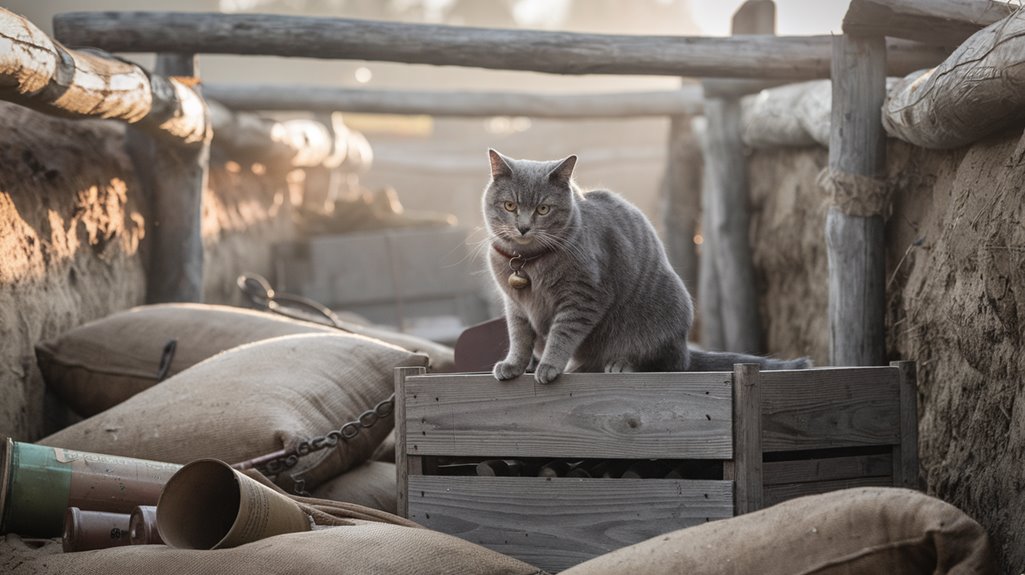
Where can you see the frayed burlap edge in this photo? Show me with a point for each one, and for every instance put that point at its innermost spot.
(855, 195)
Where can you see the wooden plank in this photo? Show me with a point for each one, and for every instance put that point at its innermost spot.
(747, 438)
(930, 21)
(826, 408)
(174, 178)
(905, 454)
(779, 493)
(508, 49)
(855, 241)
(405, 465)
(637, 415)
(827, 469)
(555, 523)
(686, 100)
(40, 73)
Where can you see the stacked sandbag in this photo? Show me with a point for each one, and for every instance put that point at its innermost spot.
(372, 484)
(864, 530)
(252, 400)
(364, 549)
(102, 363)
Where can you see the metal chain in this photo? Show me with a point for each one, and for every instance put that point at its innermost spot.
(346, 432)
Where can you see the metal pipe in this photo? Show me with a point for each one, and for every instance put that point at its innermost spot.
(85, 530)
(142, 528)
(38, 483)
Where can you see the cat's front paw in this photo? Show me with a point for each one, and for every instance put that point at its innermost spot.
(546, 373)
(505, 370)
(619, 366)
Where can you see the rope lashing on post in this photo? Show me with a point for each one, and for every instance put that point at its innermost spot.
(855, 195)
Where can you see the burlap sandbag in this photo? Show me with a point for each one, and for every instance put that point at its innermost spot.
(253, 400)
(372, 484)
(362, 549)
(385, 451)
(102, 363)
(856, 531)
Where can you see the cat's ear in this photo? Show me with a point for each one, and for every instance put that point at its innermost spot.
(563, 172)
(499, 165)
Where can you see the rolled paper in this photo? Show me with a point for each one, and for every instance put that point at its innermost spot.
(209, 505)
(142, 527)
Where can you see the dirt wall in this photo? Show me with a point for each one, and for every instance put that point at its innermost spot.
(956, 305)
(72, 243)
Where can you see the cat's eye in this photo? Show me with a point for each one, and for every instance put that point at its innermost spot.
(543, 209)
(510, 206)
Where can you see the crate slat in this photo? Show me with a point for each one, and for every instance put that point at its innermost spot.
(645, 415)
(560, 522)
(827, 469)
(827, 408)
(778, 493)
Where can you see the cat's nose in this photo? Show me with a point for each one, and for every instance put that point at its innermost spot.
(523, 229)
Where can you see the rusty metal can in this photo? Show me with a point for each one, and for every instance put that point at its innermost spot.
(38, 483)
(86, 530)
(142, 528)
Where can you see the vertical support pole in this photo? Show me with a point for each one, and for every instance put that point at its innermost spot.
(726, 167)
(682, 196)
(747, 439)
(174, 178)
(709, 298)
(905, 455)
(854, 233)
(405, 465)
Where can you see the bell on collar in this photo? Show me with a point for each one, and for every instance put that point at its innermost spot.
(518, 280)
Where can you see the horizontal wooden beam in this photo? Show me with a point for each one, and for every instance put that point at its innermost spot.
(39, 73)
(686, 101)
(552, 52)
(930, 21)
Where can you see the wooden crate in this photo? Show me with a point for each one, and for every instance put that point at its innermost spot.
(777, 435)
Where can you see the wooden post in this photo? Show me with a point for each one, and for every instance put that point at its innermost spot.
(174, 178)
(681, 192)
(726, 166)
(403, 464)
(709, 303)
(746, 469)
(905, 455)
(854, 224)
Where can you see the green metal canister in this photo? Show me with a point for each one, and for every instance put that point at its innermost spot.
(38, 483)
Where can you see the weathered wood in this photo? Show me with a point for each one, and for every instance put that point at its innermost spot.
(553, 52)
(726, 160)
(855, 240)
(747, 438)
(686, 100)
(827, 408)
(650, 415)
(974, 93)
(779, 493)
(173, 178)
(405, 464)
(40, 73)
(827, 469)
(932, 21)
(681, 192)
(709, 298)
(905, 454)
(555, 523)
(726, 166)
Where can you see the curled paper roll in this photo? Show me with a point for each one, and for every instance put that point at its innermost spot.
(209, 505)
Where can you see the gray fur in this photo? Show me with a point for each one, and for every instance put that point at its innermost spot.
(603, 296)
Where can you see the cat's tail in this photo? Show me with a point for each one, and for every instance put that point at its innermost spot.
(701, 360)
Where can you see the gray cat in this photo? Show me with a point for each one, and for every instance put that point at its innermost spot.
(586, 281)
